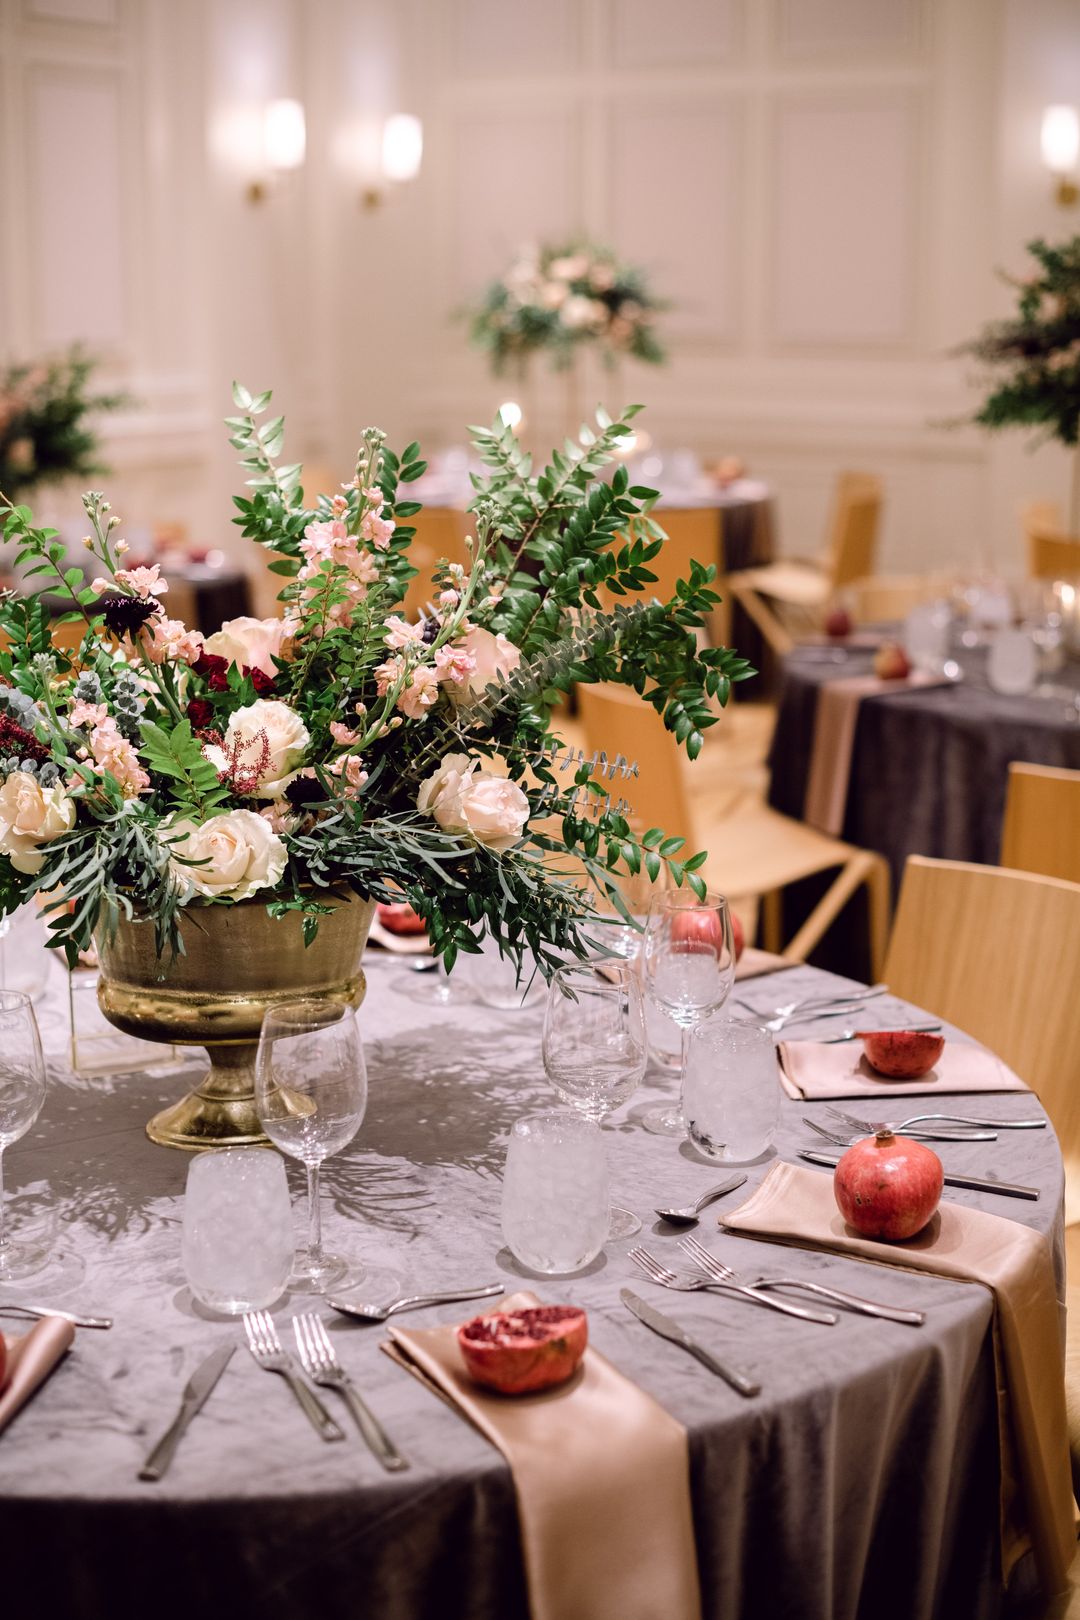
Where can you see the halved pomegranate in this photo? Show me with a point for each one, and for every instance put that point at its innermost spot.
(398, 917)
(902, 1054)
(516, 1352)
(3, 1361)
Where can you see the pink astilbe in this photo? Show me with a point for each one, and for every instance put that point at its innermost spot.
(244, 775)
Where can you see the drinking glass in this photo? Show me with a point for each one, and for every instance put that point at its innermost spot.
(22, 1093)
(689, 971)
(555, 1192)
(311, 1092)
(1012, 666)
(595, 1048)
(731, 1091)
(237, 1244)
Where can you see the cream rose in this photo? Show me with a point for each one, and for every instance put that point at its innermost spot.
(464, 799)
(31, 815)
(494, 658)
(251, 643)
(241, 852)
(285, 736)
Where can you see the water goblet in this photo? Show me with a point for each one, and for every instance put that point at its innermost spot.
(555, 1192)
(237, 1245)
(22, 1093)
(689, 959)
(595, 1048)
(311, 1093)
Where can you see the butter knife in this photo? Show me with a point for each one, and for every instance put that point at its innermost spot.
(974, 1183)
(668, 1329)
(195, 1393)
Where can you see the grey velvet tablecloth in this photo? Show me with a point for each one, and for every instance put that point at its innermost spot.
(929, 768)
(862, 1482)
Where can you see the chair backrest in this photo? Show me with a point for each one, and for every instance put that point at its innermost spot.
(1052, 554)
(884, 597)
(998, 954)
(440, 533)
(852, 544)
(617, 721)
(1042, 821)
(693, 535)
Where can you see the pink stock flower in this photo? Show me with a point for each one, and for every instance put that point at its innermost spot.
(351, 769)
(454, 663)
(143, 581)
(170, 641)
(420, 694)
(400, 633)
(387, 674)
(342, 734)
(99, 586)
(280, 815)
(113, 753)
(363, 567)
(87, 714)
(449, 599)
(340, 505)
(377, 529)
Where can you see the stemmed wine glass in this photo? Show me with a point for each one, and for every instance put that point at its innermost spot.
(595, 1050)
(689, 959)
(311, 1093)
(22, 1093)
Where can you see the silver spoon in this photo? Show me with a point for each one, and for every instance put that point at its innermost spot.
(688, 1217)
(412, 1302)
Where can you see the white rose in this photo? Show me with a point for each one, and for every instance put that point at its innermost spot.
(242, 853)
(464, 799)
(250, 643)
(30, 815)
(496, 658)
(265, 726)
(580, 313)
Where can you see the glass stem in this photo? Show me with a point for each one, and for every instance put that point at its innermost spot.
(684, 1050)
(314, 1217)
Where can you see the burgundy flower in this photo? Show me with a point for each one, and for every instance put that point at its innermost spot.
(214, 670)
(15, 739)
(261, 681)
(126, 615)
(200, 712)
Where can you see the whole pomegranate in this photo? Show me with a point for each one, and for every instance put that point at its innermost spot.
(738, 934)
(838, 623)
(891, 662)
(902, 1054)
(516, 1352)
(398, 917)
(887, 1186)
(696, 927)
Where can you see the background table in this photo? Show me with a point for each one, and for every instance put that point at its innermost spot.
(862, 1481)
(929, 768)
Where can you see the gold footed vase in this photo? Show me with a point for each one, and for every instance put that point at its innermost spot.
(238, 961)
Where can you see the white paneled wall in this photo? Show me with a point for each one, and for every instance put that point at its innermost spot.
(821, 187)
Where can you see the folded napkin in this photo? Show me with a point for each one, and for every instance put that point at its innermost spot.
(1015, 1263)
(812, 1071)
(30, 1360)
(752, 964)
(835, 718)
(602, 1479)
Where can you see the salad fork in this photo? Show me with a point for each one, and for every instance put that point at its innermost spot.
(323, 1367)
(956, 1119)
(914, 1135)
(713, 1267)
(265, 1347)
(693, 1282)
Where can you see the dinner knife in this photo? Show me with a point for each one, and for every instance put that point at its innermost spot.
(9, 1308)
(197, 1389)
(973, 1183)
(668, 1329)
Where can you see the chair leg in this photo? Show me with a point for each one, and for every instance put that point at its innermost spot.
(771, 920)
(878, 904)
(853, 873)
(757, 609)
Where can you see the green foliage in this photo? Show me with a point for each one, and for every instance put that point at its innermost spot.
(46, 412)
(191, 785)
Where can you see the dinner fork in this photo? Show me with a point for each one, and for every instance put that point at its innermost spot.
(709, 1263)
(956, 1119)
(914, 1136)
(323, 1367)
(265, 1347)
(693, 1282)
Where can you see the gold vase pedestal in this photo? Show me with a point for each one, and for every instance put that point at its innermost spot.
(237, 962)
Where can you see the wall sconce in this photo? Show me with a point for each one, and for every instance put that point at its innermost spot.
(284, 142)
(1060, 150)
(401, 151)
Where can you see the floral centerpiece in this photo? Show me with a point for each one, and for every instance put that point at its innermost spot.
(562, 297)
(45, 431)
(157, 775)
(1033, 358)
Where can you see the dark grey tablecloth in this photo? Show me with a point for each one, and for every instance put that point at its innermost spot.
(862, 1482)
(929, 768)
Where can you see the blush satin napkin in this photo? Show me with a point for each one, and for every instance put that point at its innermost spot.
(602, 1479)
(813, 1071)
(1014, 1262)
(835, 717)
(30, 1360)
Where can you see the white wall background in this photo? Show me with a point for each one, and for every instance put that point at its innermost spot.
(823, 187)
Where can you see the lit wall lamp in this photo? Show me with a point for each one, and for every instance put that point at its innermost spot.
(401, 152)
(1060, 150)
(284, 142)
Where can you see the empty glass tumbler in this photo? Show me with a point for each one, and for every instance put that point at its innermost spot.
(237, 1240)
(731, 1091)
(555, 1192)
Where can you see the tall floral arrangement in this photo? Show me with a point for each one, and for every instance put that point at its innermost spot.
(344, 746)
(46, 421)
(562, 297)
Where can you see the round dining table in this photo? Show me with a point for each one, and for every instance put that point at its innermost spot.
(863, 1480)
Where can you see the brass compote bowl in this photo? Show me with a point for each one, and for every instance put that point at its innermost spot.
(237, 962)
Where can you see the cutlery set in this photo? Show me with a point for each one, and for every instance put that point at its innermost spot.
(813, 1008)
(924, 1128)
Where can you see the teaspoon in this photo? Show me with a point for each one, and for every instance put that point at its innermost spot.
(688, 1217)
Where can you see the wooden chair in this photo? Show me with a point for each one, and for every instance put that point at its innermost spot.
(997, 953)
(885, 597)
(805, 588)
(753, 852)
(440, 535)
(1052, 554)
(1041, 832)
